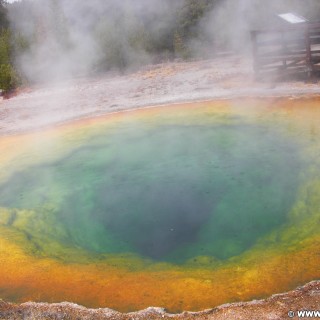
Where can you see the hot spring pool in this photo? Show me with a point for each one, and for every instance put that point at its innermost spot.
(184, 207)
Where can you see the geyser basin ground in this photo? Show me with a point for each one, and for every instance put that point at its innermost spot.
(183, 207)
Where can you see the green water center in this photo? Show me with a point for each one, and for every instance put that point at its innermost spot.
(164, 192)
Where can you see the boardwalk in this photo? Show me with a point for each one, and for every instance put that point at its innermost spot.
(287, 49)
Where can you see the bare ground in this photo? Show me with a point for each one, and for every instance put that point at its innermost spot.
(154, 85)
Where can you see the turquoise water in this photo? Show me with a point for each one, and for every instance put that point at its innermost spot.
(164, 192)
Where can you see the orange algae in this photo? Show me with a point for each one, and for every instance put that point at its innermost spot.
(97, 284)
(277, 262)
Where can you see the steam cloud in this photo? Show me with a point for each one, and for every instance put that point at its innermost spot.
(65, 38)
(60, 38)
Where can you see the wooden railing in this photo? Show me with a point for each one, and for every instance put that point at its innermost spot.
(293, 48)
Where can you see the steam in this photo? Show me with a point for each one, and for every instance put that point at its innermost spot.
(61, 39)
(227, 26)
(57, 39)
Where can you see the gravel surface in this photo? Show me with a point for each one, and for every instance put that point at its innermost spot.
(167, 83)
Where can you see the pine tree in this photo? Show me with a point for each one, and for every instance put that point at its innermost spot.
(3, 16)
(8, 76)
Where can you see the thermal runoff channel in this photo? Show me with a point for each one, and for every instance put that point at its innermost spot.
(184, 207)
